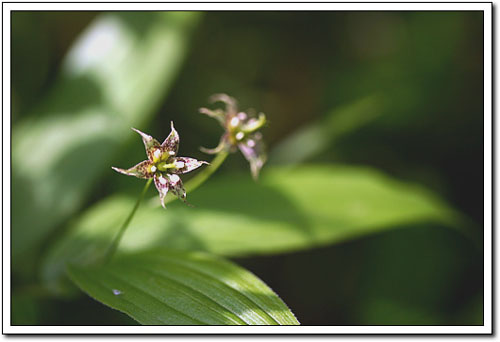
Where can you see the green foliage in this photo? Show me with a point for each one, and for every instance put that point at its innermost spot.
(328, 238)
(289, 209)
(112, 78)
(160, 287)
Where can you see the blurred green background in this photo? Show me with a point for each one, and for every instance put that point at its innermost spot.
(401, 92)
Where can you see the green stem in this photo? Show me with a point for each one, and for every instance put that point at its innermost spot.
(191, 185)
(202, 176)
(114, 245)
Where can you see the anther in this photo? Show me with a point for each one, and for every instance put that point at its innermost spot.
(234, 122)
(240, 135)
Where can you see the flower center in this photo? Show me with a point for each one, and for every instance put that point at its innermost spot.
(240, 127)
(156, 155)
(164, 166)
(239, 136)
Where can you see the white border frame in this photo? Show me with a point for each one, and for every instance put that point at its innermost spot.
(488, 142)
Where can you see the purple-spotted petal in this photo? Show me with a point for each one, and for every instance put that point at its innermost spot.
(185, 165)
(175, 185)
(162, 185)
(171, 143)
(150, 143)
(253, 150)
(141, 170)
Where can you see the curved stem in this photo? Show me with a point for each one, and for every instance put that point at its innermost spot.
(114, 244)
(191, 185)
(201, 177)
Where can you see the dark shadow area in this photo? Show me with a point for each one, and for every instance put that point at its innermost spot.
(139, 23)
(414, 275)
(51, 312)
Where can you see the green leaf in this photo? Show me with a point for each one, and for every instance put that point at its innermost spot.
(179, 288)
(287, 210)
(114, 77)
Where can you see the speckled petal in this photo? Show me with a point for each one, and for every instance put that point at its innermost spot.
(150, 143)
(253, 150)
(171, 143)
(176, 186)
(141, 170)
(185, 164)
(162, 185)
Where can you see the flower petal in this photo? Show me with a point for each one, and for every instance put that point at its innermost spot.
(150, 143)
(141, 170)
(162, 185)
(223, 144)
(253, 124)
(253, 150)
(171, 143)
(175, 185)
(217, 114)
(231, 104)
(185, 165)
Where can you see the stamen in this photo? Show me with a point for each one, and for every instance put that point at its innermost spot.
(157, 154)
(153, 168)
(242, 116)
(174, 178)
(163, 180)
(179, 164)
(240, 135)
(234, 122)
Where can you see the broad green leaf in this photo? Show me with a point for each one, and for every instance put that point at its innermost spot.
(311, 140)
(113, 78)
(180, 288)
(288, 209)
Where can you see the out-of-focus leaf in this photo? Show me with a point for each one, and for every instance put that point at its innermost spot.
(164, 287)
(417, 276)
(287, 210)
(113, 78)
(311, 140)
